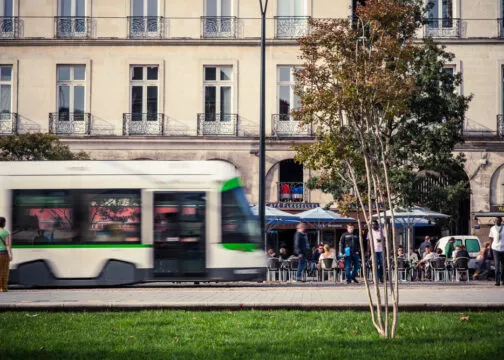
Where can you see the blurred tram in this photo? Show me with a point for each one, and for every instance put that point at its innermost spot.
(92, 223)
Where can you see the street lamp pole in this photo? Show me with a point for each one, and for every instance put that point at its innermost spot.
(262, 126)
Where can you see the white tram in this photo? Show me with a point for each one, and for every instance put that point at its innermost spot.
(91, 223)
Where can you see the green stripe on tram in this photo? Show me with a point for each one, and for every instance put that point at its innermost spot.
(81, 246)
(232, 184)
(247, 247)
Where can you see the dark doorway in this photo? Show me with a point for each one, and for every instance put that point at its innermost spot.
(290, 171)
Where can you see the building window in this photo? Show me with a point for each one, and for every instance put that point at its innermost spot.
(218, 93)
(441, 22)
(287, 99)
(7, 24)
(71, 88)
(144, 96)
(5, 92)
(71, 21)
(292, 19)
(145, 21)
(219, 21)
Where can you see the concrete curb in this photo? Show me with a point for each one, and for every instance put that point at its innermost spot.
(95, 307)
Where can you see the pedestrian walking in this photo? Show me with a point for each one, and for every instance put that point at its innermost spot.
(301, 249)
(350, 250)
(496, 236)
(427, 242)
(377, 238)
(5, 255)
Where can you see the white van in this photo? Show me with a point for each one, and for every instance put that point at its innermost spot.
(472, 244)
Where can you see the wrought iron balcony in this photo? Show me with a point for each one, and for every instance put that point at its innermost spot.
(218, 124)
(77, 123)
(73, 27)
(8, 123)
(219, 27)
(291, 191)
(284, 126)
(143, 124)
(146, 27)
(9, 27)
(291, 27)
(443, 28)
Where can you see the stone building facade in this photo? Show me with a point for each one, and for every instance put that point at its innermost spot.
(172, 79)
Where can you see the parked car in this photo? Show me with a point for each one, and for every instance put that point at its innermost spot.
(472, 244)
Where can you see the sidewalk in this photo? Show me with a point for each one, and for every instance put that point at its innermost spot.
(414, 297)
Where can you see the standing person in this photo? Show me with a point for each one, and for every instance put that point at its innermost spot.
(378, 239)
(301, 249)
(427, 242)
(496, 236)
(349, 249)
(5, 255)
(450, 248)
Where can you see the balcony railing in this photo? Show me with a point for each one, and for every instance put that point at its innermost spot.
(146, 27)
(291, 191)
(291, 27)
(73, 27)
(8, 123)
(218, 124)
(70, 123)
(284, 126)
(219, 27)
(143, 124)
(443, 28)
(9, 27)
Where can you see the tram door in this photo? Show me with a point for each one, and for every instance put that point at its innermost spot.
(179, 234)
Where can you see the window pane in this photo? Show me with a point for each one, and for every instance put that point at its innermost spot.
(210, 102)
(152, 101)
(137, 73)
(80, 8)
(79, 72)
(472, 245)
(136, 100)
(65, 7)
(152, 9)
(210, 73)
(297, 100)
(138, 7)
(238, 225)
(284, 95)
(42, 217)
(211, 8)
(285, 73)
(5, 98)
(64, 99)
(225, 94)
(113, 216)
(8, 9)
(5, 73)
(152, 73)
(79, 99)
(63, 73)
(284, 7)
(225, 8)
(226, 72)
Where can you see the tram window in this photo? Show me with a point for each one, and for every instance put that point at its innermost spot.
(42, 217)
(112, 216)
(75, 216)
(238, 224)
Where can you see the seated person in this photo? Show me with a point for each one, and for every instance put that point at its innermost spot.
(462, 253)
(426, 261)
(271, 253)
(327, 253)
(283, 254)
(457, 249)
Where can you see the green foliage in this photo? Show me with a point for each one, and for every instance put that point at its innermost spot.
(38, 146)
(246, 335)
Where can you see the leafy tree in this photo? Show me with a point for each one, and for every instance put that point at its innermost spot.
(386, 115)
(37, 146)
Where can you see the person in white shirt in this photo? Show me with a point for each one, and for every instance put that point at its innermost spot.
(496, 236)
(428, 257)
(378, 239)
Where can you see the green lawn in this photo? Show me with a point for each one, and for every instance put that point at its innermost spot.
(247, 335)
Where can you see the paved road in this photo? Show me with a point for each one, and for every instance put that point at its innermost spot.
(247, 296)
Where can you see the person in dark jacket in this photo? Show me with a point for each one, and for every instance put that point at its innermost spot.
(301, 249)
(350, 251)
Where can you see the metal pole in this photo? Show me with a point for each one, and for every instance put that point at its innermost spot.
(262, 126)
